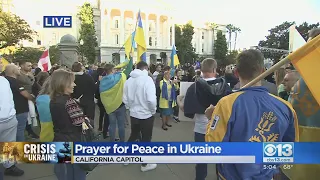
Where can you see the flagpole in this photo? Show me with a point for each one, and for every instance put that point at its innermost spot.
(135, 28)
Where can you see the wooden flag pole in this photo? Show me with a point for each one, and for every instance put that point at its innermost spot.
(277, 66)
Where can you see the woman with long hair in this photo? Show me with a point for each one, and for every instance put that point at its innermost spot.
(42, 77)
(43, 107)
(67, 118)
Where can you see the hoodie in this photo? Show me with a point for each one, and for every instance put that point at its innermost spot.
(139, 95)
(7, 110)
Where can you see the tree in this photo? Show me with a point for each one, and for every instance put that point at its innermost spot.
(87, 33)
(28, 54)
(278, 37)
(213, 26)
(230, 28)
(183, 42)
(236, 31)
(31, 54)
(231, 57)
(220, 48)
(13, 29)
(54, 54)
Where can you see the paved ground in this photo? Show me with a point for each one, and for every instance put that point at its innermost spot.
(182, 131)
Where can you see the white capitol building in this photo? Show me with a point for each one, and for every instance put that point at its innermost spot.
(114, 21)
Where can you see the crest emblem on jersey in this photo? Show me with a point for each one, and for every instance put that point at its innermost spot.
(216, 119)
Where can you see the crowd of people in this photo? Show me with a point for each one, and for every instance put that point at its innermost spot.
(64, 101)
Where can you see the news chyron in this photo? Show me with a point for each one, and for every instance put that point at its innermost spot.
(278, 152)
(57, 21)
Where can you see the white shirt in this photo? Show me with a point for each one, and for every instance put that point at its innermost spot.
(139, 95)
(201, 121)
(155, 75)
(7, 110)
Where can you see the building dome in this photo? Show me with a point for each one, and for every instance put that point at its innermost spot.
(68, 38)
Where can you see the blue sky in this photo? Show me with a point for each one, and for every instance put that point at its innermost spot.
(254, 17)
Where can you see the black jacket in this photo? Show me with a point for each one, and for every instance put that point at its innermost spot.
(64, 130)
(202, 94)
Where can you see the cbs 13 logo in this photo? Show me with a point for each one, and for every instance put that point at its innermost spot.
(278, 149)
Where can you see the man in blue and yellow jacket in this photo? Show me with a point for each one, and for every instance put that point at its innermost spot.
(251, 115)
(111, 92)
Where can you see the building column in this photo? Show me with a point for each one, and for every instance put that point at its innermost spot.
(107, 31)
(168, 32)
(158, 31)
(146, 29)
(173, 33)
(199, 41)
(103, 26)
(121, 26)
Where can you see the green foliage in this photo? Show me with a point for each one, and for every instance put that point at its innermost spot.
(32, 54)
(220, 48)
(13, 29)
(183, 42)
(87, 33)
(232, 29)
(278, 37)
(28, 54)
(231, 57)
(54, 54)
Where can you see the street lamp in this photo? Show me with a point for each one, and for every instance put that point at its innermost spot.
(81, 43)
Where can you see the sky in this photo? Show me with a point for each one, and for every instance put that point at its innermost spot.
(253, 17)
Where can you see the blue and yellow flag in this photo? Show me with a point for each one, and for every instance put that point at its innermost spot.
(174, 60)
(129, 45)
(174, 57)
(140, 40)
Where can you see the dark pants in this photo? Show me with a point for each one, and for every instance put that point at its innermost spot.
(103, 119)
(201, 169)
(158, 98)
(141, 127)
(176, 111)
(105, 124)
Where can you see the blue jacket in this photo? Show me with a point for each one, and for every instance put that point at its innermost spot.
(251, 115)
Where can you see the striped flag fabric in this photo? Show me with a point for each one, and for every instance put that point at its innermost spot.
(140, 40)
(44, 62)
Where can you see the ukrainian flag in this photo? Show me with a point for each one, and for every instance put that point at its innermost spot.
(305, 99)
(174, 60)
(141, 43)
(174, 57)
(129, 45)
(111, 87)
